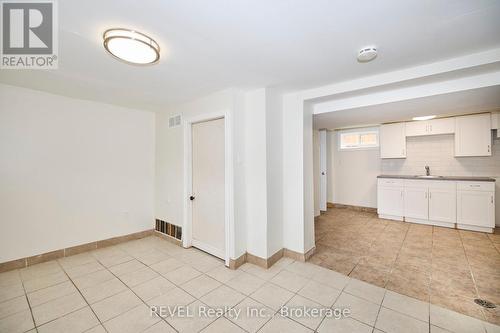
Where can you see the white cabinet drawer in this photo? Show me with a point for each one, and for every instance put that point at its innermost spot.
(443, 185)
(476, 186)
(416, 183)
(390, 182)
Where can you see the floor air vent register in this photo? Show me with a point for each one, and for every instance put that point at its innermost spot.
(168, 229)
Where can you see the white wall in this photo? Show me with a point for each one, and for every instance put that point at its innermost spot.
(293, 174)
(255, 172)
(352, 175)
(258, 177)
(317, 172)
(71, 172)
(170, 164)
(274, 159)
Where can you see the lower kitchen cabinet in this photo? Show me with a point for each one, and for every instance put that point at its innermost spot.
(390, 194)
(462, 204)
(416, 201)
(430, 202)
(443, 202)
(476, 206)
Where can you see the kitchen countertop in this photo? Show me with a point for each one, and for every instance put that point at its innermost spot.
(459, 178)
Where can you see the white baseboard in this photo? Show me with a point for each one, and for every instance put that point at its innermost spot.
(429, 222)
(390, 217)
(475, 228)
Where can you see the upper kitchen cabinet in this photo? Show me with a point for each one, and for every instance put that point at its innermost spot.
(393, 140)
(430, 127)
(473, 135)
(495, 122)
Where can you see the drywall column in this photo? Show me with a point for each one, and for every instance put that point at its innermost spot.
(256, 172)
(308, 176)
(316, 172)
(274, 162)
(298, 179)
(293, 174)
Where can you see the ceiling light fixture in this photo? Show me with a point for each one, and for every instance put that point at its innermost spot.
(424, 117)
(131, 46)
(367, 54)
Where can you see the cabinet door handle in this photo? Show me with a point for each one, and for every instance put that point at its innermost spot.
(430, 195)
(426, 195)
(488, 148)
(491, 199)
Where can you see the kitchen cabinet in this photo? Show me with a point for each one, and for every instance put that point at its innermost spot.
(390, 195)
(476, 206)
(430, 202)
(473, 135)
(442, 201)
(430, 127)
(393, 140)
(495, 122)
(465, 204)
(416, 202)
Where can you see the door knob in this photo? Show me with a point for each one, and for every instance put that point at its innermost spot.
(191, 198)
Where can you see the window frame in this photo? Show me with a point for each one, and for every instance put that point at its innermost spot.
(359, 132)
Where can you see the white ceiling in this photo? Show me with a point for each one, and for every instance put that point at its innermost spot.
(294, 44)
(463, 102)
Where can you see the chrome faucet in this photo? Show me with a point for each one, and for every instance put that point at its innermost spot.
(427, 170)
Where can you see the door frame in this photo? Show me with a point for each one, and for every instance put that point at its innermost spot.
(323, 171)
(187, 236)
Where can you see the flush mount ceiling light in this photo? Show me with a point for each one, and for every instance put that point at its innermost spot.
(367, 54)
(131, 46)
(424, 117)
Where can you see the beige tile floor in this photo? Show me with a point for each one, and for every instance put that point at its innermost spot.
(445, 267)
(112, 289)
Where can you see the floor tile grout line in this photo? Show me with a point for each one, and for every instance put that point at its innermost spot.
(432, 271)
(264, 279)
(147, 305)
(83, 297)
(470, 270)
(473, 278)
(28, 301)
(397, 256)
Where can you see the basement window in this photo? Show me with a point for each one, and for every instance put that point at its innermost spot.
(360, 138)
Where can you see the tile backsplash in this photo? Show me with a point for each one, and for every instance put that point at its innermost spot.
(437, 152)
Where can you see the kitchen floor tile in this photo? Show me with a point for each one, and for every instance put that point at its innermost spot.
(360, 309)
(78, 321)
(135, 320)
(250, 315)
(115, 305)
(272, 296)
(57, 308)
(200, 285)
(153, 288)
(50, 293)
(394, 322)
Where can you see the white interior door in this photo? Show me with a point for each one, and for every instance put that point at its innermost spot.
(322, 170)
(208, 217)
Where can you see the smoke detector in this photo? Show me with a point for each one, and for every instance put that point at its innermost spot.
(367, 54)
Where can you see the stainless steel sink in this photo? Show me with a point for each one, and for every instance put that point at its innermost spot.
(429, 177)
